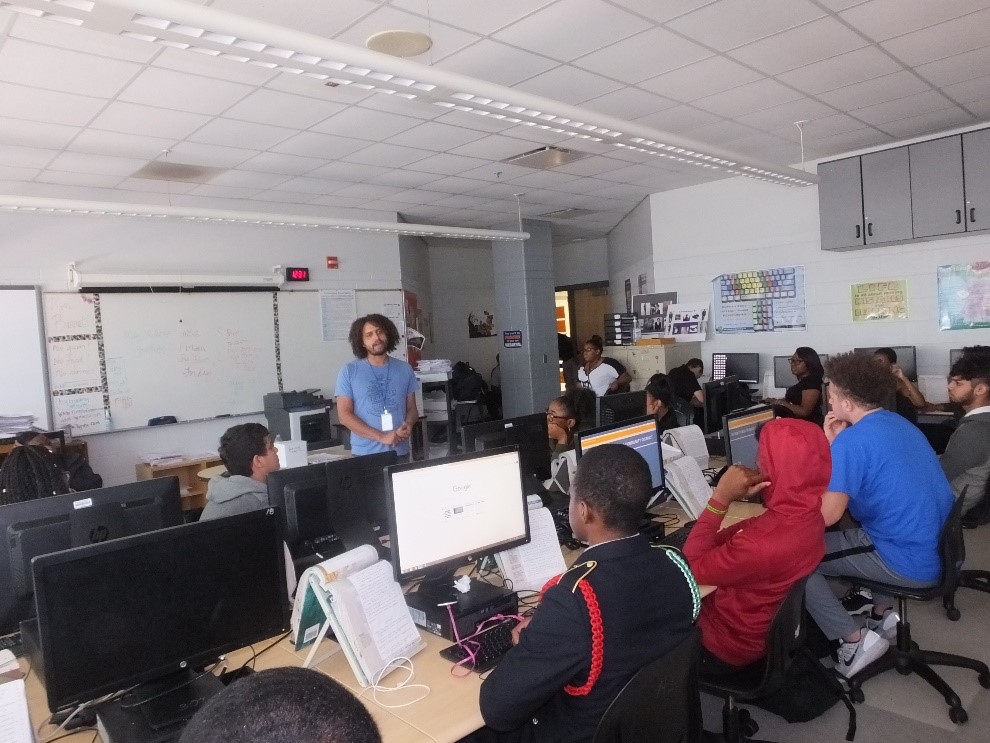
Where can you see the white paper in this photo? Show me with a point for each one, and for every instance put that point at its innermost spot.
(15, 724)
(338, 309)
(389, 625)
(691, 441)
(688, 485)
(530, 566)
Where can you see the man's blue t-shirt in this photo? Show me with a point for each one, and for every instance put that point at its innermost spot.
(896, 490)
(374, 389)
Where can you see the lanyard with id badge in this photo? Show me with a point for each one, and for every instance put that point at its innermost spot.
(387, 424)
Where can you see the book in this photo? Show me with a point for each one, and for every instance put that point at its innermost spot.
(356, 596)
(688, 485)
(691, 441)
(531, 565)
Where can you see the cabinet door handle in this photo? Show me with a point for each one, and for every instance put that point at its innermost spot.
(958, 216)
(859, 232)
(972, 214)
(869, 229)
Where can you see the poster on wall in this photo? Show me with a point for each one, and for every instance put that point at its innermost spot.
(338, 309)
(964, 296)
(760, 301)
(686, 322)
(879, 300)
(651, 312)
(481, 324)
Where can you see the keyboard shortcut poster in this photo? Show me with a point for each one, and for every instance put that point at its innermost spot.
(760, 301)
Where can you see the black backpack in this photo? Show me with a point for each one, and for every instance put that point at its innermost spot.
(466, 383)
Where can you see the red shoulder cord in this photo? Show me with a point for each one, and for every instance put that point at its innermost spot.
(597, 636)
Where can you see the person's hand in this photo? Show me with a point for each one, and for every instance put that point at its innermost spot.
(517, 630)
(772, 401)
(404, 431)
(833, 426)
(389, 438)
(898, 372)
(739, 482)
(613, 386)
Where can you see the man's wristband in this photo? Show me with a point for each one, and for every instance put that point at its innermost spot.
(716, 511)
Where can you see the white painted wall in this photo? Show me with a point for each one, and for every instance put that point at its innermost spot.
(35, 249)
(580, 262)
(630, 253)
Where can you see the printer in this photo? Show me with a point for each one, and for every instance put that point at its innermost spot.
(300, 416)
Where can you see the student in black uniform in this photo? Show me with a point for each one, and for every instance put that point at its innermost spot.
(660, 401)
(556, 683)
(804, 399)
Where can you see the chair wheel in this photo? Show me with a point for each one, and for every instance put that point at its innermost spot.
(857, 696)
(984, 680)
(953, 614)
(958, 715)
(751, 728)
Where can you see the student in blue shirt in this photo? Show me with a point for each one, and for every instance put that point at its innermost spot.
(376, 394)
(886, 474)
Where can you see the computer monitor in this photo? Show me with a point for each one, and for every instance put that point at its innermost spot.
(624, 406)
(300, 495)
(782, 375)
(722, 396)
(641, 434)
(744, 366)
(906, 359)
(527, 432)
(954, 355)
(135, 610)
(445, 513)
(39, 527)
(739, 433)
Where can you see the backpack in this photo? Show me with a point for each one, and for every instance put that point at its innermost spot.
(466, 383)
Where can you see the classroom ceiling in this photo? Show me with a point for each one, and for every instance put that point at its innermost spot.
(82, 111)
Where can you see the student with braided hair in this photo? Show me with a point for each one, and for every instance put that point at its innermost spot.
(623, 605)
(28, 473)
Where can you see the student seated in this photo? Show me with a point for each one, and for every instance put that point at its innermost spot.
(660, 401)
(28, 473)
(966, 460)
(684, 380)
(804, 399)
(602, 374)
(557, 682)
(249, 454)
(282, 705)
(755, 563)
(908, 399)
(78, 473)
(562, 422)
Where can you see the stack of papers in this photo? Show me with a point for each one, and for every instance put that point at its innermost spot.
(433, 366)
(160, 457)
(11, 423)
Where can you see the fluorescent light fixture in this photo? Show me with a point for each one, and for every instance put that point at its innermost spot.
(189, 280)
(40, 205)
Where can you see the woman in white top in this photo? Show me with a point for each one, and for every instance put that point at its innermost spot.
(601, 373)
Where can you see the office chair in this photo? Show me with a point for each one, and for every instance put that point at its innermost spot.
(978, 580)
(906, 656)
(785, 639)
(660, 704)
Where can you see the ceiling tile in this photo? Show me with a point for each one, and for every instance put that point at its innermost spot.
(816, 129)
(25, 157)
(944, 40)
(17, 174)
(387, 155)
(446, 164)
(513, 64)
(902, 108)
(77, 39)
(885, 19)
(721, 132)
(413, 196)
(249, 179)
(453, 184)
(475, 121)
(956, 69)
(544, 179)
(838, 5)
(799, 46)
(664, 11)
(435, 136)
(288, 197)
(878, 90)
(494, 147)
(90, 180)
(274, 162)
(177, 90)
(364, 124)
(58, 69)
(568, 84)
(223, 192)
(969, 91)
(33, 134)
(846, 69)
(594, 165)
(710, 76)
(748, 98)
(309, 17)
(210, 155)
(561, 30)
(981, 109)
(152, 186)
(479, 18)
(629, 103)
(281, 109)
(731, 23)
(95, 142)
(76, 162)
(937, 121)
(403, 178)
(242, 133)
(131, 118)
(367, 191)
(312, 88)
(803, 109)
(21, 102)
(643, 56)
(419, 109)
(304, 185)
(314, 144)
(678, 119)
(446, 39)
(348, 172)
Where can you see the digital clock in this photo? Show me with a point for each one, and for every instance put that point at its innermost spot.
(296, 274)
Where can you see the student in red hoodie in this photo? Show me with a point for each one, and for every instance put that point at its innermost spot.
(755, 562)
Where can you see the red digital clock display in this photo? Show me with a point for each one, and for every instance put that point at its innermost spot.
(297, 274)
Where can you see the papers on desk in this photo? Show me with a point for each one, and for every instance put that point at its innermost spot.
(691, 441)
(356, 595)
(530, 566)
(688, 485)
(12, 423)
(433, 366)
(15, 724)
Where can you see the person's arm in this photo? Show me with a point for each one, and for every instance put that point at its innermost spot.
(698, 399)
(833, 427)
(810, 399)
(349, 419)
(908, 388)
(967, 449)
(833, 506)
(412, 417)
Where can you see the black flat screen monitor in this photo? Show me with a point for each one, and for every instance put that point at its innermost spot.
(300, 494)
(739, 431)
(722, 397)
(445, 513)
(782, 375)
(527, 432)
(905, 359)
(641, 434)
(621, 407)
(39, 527)
(744, 366)
(133, 610)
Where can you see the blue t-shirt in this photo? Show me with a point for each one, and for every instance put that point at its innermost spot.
(896, 490)
(374, 389)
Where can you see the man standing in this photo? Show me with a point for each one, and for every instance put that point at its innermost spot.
(966, 460)
(376, 394)
(886, 474)
(623, 605)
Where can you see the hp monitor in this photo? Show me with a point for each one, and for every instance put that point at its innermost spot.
(744, 366)
(621, 407)
(527, 432)
(739, 431)
(906, 359)
(641, 434)
(721, 398)
(782, 376)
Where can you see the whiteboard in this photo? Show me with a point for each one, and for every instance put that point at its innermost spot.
(193, 356)
(22, 337)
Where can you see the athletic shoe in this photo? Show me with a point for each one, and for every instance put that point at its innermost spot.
(885, 626)
(855, 656)
(858, 601)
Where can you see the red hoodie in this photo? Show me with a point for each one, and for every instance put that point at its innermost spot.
(754, 563)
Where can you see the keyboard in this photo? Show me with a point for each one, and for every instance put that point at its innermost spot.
(677, 538)
(488, 647)
(12, 643)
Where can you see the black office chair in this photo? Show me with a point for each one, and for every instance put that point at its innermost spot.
(785, 639)
(906, 656)
(660, 704)
(978, 580)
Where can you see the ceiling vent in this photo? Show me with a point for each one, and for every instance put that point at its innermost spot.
(160, 170)
(571, 213)
(545, 158)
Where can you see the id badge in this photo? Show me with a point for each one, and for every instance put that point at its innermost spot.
(386, 421)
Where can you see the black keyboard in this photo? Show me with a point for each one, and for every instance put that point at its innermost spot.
(488, 647)
(12, 643)
(678, 537)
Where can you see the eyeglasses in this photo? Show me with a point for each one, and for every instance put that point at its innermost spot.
(562, 417)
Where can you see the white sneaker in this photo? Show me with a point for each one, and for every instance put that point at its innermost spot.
(855, 656)
(886, 626)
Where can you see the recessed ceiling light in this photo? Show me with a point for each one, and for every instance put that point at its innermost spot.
(399, 43)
